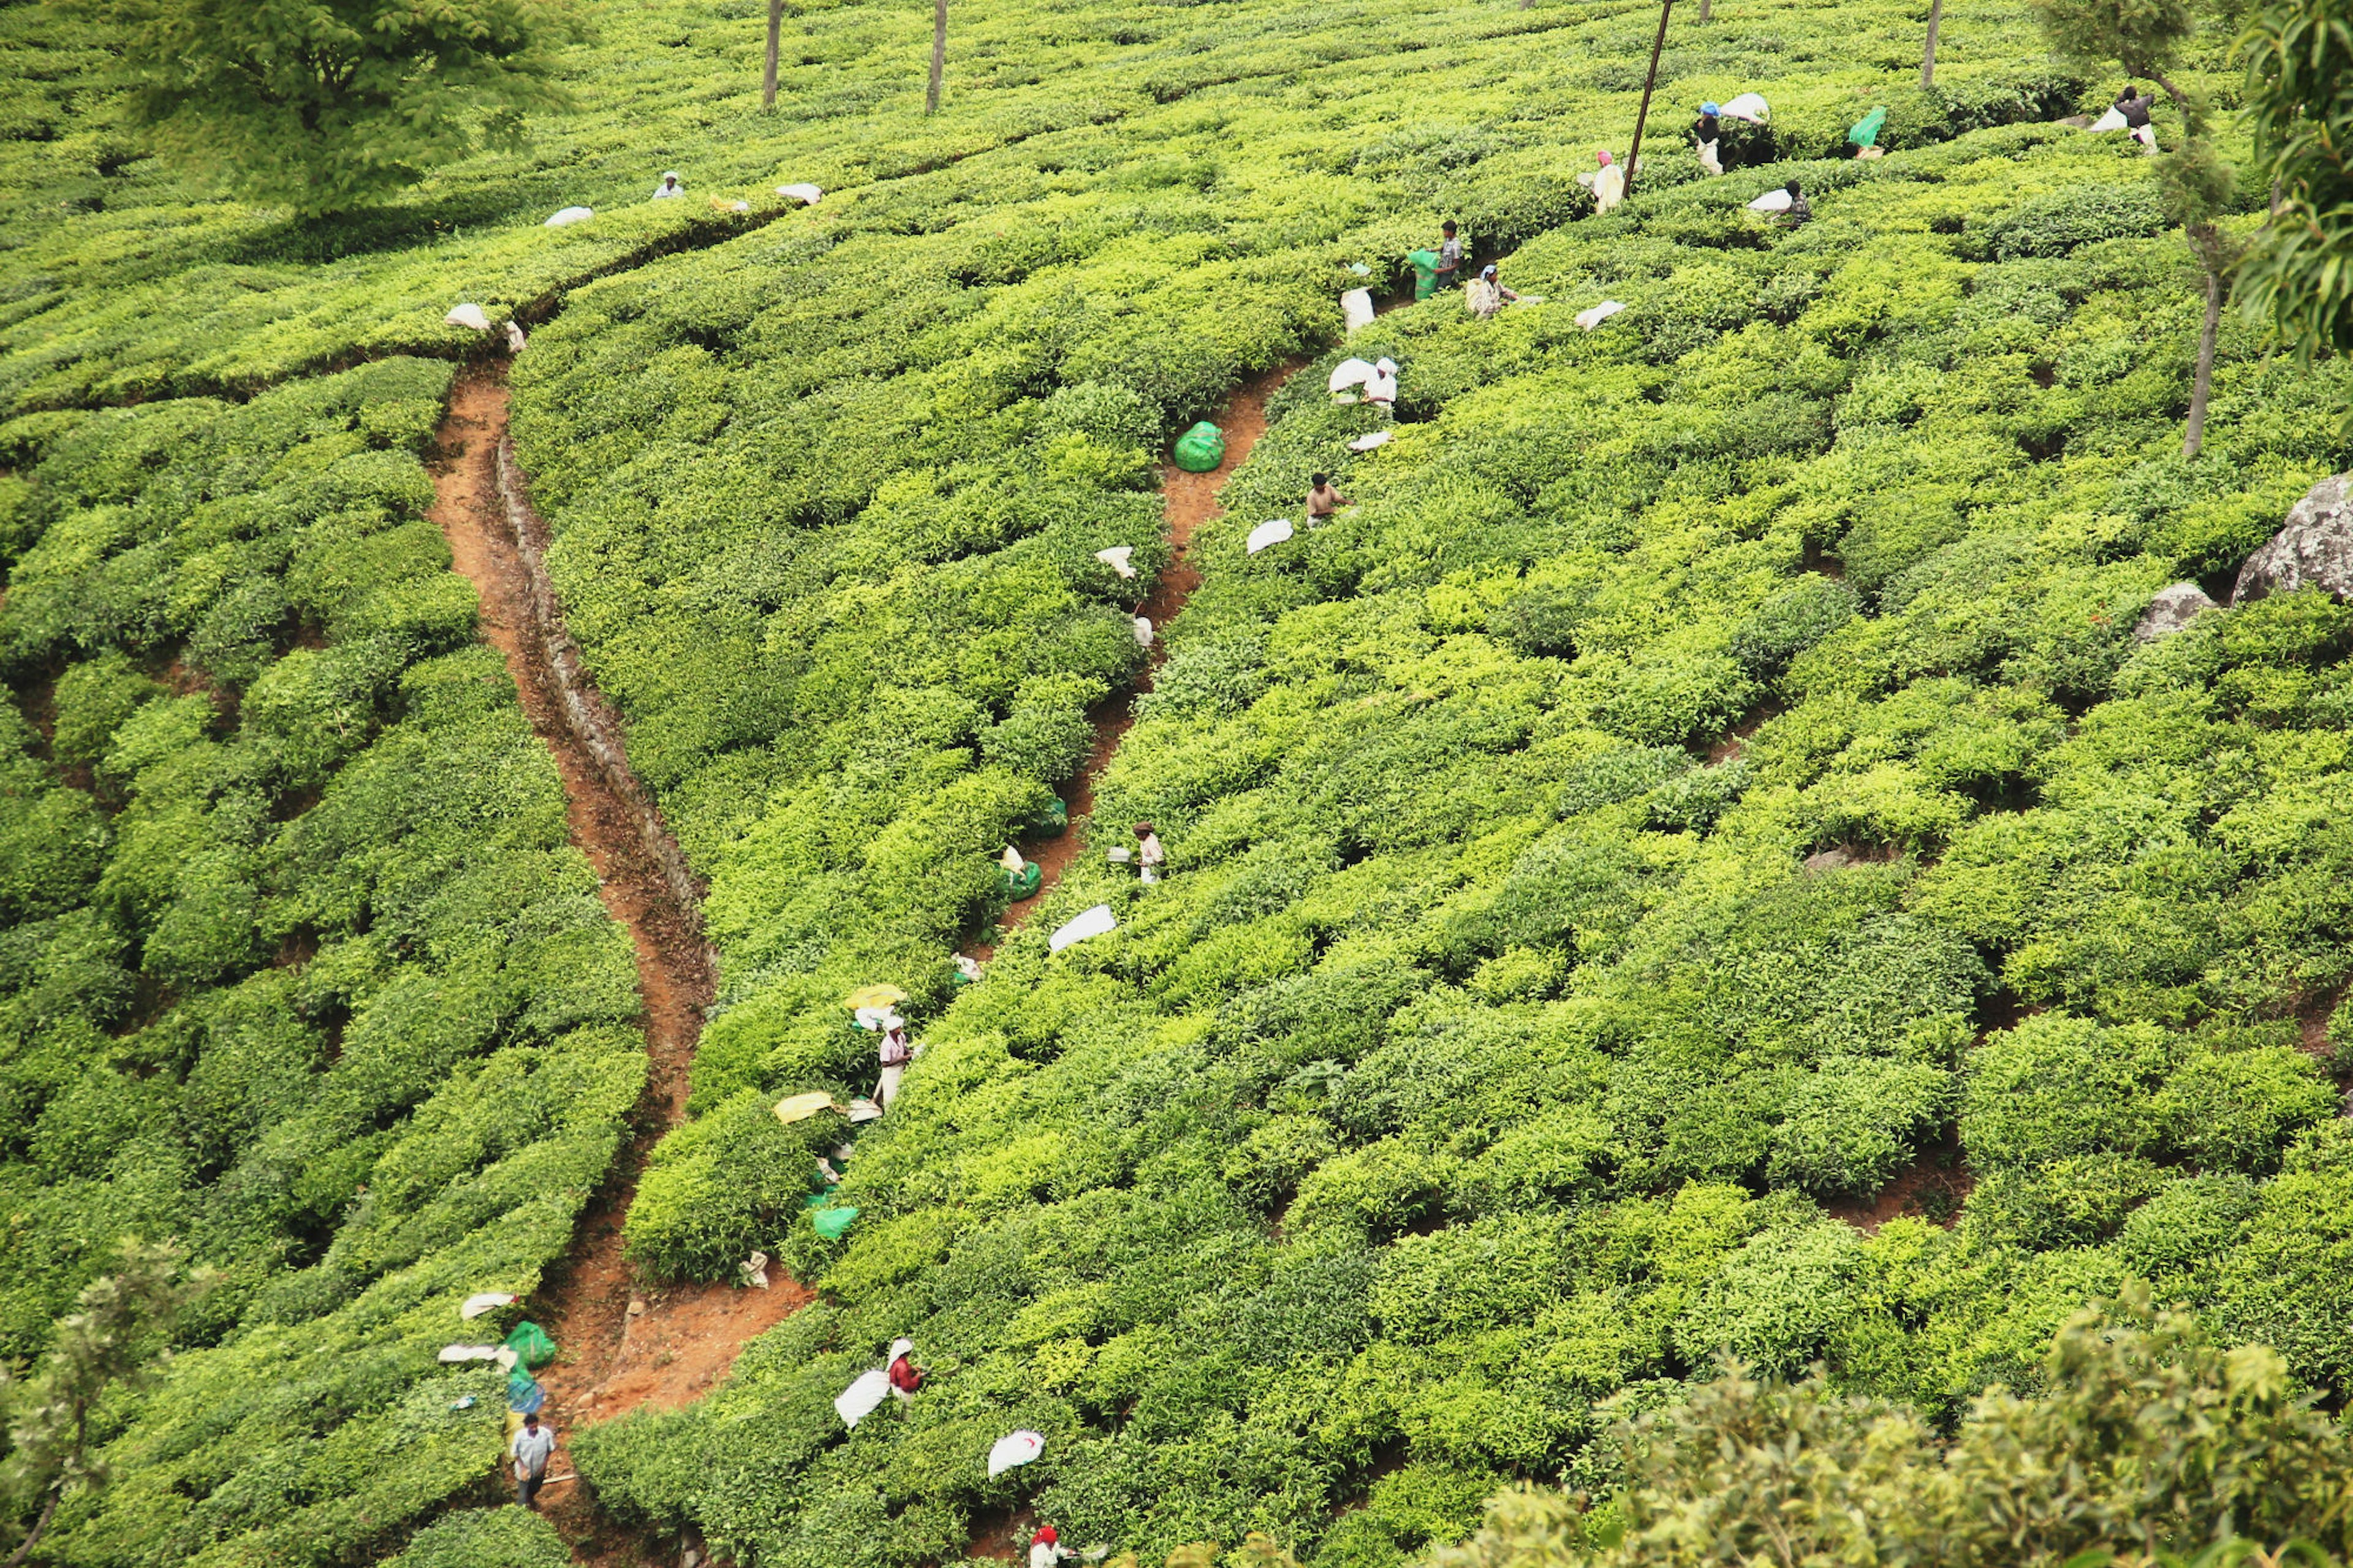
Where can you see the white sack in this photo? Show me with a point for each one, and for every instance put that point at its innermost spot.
(859, 1400)
(1593, 317)
(1366, 443)
(454, 1353)
(468, 316)
(1274, 530)
(1013, 1448)
(1349, 372)
(807, 194)
(1749, 106)
(1095, 921)
(2113, 119)
(570, 215)
(476, 1305)
(1356, 308)
(1117, 558)
(1773, 201)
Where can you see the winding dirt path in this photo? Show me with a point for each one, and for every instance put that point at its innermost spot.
(623, 1346)
(1188, 501)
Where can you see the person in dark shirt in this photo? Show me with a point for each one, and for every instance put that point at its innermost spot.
(1800, 212)
(2134, 105)
(1707, 132)
(1450, 256)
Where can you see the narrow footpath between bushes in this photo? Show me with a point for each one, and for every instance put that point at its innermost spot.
(1188, 501)
(622, 1346)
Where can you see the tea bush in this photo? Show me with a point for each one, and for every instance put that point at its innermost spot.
(298, 965)
(1708, 774)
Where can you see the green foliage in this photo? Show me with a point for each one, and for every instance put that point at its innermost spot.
(2147, 1441)
(2296, 278)
(486, 1538)
(297, 966)
(326, 107)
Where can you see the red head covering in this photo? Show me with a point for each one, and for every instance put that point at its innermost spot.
(1045, 1536)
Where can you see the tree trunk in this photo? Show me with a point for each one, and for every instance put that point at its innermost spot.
(2194, 436)
(939, 54)
(769, 75)
(1704, 9)
(1928, 58)
(40, 1526)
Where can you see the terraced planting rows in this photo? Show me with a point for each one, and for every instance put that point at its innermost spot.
(1696, 859)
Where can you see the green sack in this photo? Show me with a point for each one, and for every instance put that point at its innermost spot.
(531, 1344)
(1201, 448)
(1052, 820)
(1425, 272)
(1866, 131)
(833, 1223)
(1027, 882)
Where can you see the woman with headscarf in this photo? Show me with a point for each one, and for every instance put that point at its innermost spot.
(905, 1376)
(1488, 295)
(1381, 386)
(894, 1053)
(1046, 1548)
(1149, 854)
(1608, 184)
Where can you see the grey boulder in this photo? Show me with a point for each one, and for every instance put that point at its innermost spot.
(2314, 548)
(2172, 609)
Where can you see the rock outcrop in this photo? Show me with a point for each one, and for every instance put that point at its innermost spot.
(2172, 609)
(2314, 548)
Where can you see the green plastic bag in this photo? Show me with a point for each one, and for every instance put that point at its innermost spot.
(524, 1394)
(1425, 272)
(531, 1344)
(833, 1223)
(1866, 129)
(1201, 448)
(1027, 882)
(1052, 820)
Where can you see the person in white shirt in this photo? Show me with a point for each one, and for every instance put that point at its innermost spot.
(669, 187)
(531, 1449)
(1149, 854)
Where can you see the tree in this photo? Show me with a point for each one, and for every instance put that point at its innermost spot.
(324, 105)
(939, 54)
(2148, 1441)
(1928, 56)
(2298, 275)
(113, 1342)
(2146, 37)
(768, 72)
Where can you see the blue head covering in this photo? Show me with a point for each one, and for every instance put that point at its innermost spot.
(1710, 108)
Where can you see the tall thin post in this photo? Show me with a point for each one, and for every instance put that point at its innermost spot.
(768, 74)
(1643, 115)
(939, 54)
(1928, 60)
(1704, 5)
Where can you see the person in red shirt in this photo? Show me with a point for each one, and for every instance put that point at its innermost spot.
(905, 1376)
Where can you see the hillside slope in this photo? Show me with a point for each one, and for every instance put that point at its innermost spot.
(1695, 859)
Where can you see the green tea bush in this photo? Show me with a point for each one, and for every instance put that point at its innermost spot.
(300, 968)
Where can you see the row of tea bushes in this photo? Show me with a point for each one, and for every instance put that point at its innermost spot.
(1708, 774)
(298, 963)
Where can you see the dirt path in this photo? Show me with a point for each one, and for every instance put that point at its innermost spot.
(622, 1346)
(1188, 501)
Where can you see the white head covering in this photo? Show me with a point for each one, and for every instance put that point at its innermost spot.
(899, 1348)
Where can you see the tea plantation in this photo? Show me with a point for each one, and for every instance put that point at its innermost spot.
(1708, 781)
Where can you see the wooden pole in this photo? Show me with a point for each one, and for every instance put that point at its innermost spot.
(769, 75)
(1644, 114)
(1928, 60)
(939, 54)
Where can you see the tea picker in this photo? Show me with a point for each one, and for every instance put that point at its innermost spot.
(1865, 134)
(904, 1375)
(1046, 1548)
(1324, 497)
(1487, 296)
(531, 1449)
(1149, 856)
(1707, 133)
(1449, 256)
(1607, 183)
(894, 1054)
(669, 188)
